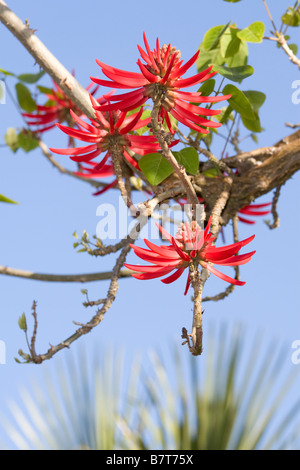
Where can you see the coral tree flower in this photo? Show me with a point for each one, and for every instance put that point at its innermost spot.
(108, 132)
(189, 245)
(162, 75)
(58, 110)
(253, 210)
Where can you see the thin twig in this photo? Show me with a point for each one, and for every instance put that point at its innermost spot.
(274, 212)
(82, 278)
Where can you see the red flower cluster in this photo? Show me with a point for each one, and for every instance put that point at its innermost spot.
(190, 244)
(110, 130)
(58, 110)
(161, 75)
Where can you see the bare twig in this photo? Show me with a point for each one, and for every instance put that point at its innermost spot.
(274, 212)
(64, 171)
(83, 278)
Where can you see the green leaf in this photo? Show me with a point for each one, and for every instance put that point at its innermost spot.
(226, 115)
(235, 74)
(294, 48)
(209, 57)
(189, 158)
(155, 167)
(22, 322)
(25, 99)
(291, 17)
(5, 199)
(256, 98)
(31, 77)
(239, 102)
(254, 32)
(212, 36)
(212, 172)
(208, 87)
(11, 138)
(232, 1)
(27, 141)
(241, 57)
(5, 72)
(229, 42)
(252, 124)
(45, 90)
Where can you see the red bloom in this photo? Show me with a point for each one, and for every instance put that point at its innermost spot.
(162, 74)
(253, 210)
(190, 244)
(58, 110)
(109, 130)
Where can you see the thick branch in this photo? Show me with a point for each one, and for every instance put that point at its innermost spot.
(46, 60)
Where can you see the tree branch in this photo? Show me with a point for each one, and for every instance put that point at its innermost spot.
(46, 60)
(83, 278)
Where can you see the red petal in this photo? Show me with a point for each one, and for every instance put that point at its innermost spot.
(196, 119)
(187, 65)
(188, 123)
(74, 151)
(122, 73)
(224, 277)
(174, 276)
(193, 80)
(188, 283)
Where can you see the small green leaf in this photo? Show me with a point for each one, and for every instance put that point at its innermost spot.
(256, 98)
(239, 102)
(252, 124)
(212, 172)
(209, 57)
(226, 114)
(45, 90)
(189, 158)
(155, 167)
(232, 1)
(25, 99)
(241, 57)
(235, 74)
(27, 141)
(5, 199)
(294, 48)
(11, 138)
(22, 322)
(208, 87)
(30, 77)
(291, 17)
(5, 72)
(212, 36)
(254, 32)
(230, 44)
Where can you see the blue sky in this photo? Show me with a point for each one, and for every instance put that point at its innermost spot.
(37, 234)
